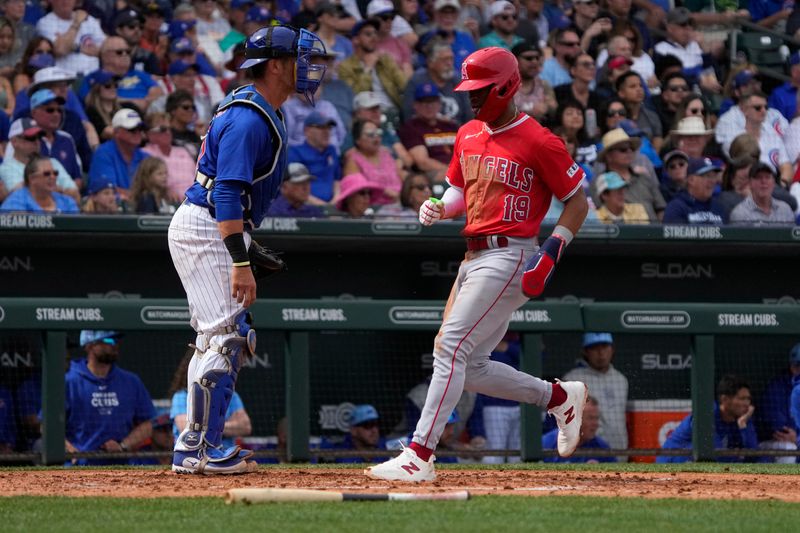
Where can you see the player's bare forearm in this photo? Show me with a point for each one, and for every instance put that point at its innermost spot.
(575, 210)
(243, 284)
(140, 433)
(229, 227)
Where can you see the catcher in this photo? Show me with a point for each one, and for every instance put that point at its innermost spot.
(240, 169)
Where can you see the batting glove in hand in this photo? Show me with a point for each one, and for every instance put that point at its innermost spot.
(541, 266)
(430, 211)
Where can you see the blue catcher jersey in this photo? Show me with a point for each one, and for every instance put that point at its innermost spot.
(246, 142)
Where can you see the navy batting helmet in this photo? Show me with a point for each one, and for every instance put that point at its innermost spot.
(285, 41)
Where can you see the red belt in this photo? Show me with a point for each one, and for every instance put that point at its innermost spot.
(475, 244)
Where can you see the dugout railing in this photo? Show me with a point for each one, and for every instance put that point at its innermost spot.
(295, 319)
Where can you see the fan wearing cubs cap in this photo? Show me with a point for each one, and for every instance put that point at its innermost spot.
(695, 205)
(505, 169)
(240, 170)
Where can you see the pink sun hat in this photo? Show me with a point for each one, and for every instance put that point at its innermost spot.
(351, 184)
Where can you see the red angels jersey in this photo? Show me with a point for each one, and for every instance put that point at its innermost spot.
(509, 176)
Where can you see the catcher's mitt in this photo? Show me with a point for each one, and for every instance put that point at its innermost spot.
(264, 261)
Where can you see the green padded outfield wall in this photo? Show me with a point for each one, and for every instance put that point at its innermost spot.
(127, 257)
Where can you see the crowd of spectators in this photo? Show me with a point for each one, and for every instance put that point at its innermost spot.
(644, 95)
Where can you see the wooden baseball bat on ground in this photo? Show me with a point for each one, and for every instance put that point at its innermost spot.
(267, 495)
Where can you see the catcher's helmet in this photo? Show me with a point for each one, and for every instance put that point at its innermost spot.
(491, 66)
(285, 41)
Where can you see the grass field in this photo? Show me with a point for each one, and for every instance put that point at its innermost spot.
(483, 513)
(496, 514)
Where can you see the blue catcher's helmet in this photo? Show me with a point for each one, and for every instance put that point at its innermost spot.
(285, 41)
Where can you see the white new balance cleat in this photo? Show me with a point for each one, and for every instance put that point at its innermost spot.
(405, 467)
(569, 416)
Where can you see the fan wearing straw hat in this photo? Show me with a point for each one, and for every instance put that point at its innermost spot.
(691, 136)
(619, 150)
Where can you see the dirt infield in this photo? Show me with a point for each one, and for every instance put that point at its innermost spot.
(163, 483)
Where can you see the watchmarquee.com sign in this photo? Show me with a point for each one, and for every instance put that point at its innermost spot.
(177, 315)
(656, 319)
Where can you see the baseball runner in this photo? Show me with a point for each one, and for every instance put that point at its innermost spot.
(505, 170)
(239, 172)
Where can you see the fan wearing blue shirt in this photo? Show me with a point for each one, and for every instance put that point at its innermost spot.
(107, 408)
(133, 86)
(769, 13)
(589, 439)
(39, 195)
(116, 160)
(319, 156)
(784, 98)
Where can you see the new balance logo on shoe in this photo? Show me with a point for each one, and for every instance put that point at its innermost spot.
(407, 467)
(570, 415)
(410, 468)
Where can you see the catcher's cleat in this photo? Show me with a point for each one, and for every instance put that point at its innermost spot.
(211, 461)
